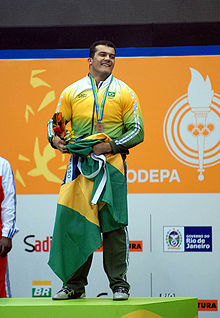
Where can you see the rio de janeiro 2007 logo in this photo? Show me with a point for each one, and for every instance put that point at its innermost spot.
(192, 126)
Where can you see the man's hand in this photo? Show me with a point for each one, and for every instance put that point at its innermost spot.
(60, 144)
(101, 148)
(5, 246)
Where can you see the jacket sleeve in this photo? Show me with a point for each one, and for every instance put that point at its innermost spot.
(133, 123)
(8, 205)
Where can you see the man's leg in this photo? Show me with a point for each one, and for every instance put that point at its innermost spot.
(3, 265)
(78, 280)
(75, 286)
(115, 257)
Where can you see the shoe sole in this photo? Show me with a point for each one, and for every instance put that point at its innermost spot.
(120, 298)
(80, 297)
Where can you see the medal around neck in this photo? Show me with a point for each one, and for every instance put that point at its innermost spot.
(99, 108)
(99, 127)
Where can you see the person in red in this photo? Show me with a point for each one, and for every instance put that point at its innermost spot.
(7, 222)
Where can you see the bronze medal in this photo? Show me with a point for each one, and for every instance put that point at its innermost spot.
(99, 127)
(99, 108)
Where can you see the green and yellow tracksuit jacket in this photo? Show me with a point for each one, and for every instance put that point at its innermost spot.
(122, 116)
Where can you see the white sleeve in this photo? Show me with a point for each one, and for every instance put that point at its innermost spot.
(8, 205)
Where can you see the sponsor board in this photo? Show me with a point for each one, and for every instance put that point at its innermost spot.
(167, 295)
(43, 245)
(173, 238)
(182, 154)
(203, 304)
(198, 239)
(153, 176)
(207, 305)
(134, 246)
(187, 238)
(41, 288)
(37, 245)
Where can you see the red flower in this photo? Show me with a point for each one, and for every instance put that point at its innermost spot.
(58, 131)
(59, 125)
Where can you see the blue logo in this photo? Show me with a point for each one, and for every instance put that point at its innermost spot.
(198, 238)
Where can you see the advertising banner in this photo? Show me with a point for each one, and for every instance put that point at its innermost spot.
(180, 101)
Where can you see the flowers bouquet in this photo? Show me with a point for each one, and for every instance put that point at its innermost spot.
(60, 129)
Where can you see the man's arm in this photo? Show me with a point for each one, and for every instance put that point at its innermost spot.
(55, 141)
(102, 148)
(59, 144)
(64, 107)
(8, 207)
(133, 123)
(5, 246)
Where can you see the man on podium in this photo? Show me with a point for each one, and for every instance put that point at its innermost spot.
(105, 116)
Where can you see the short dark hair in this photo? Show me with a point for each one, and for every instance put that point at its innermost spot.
(92, 48)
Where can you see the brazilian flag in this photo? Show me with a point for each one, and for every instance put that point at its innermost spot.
(92, 199)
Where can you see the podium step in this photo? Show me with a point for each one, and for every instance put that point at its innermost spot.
(135, 307)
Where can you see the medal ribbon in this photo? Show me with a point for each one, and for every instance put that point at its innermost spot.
(99, 110)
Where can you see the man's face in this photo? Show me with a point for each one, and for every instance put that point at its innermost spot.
(103, 61)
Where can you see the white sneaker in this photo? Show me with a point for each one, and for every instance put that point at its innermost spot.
(67, 293)
(120, 293)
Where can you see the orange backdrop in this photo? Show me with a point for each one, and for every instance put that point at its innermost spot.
(30, 91)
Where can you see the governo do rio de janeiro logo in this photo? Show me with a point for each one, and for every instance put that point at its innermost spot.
(192, 126)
